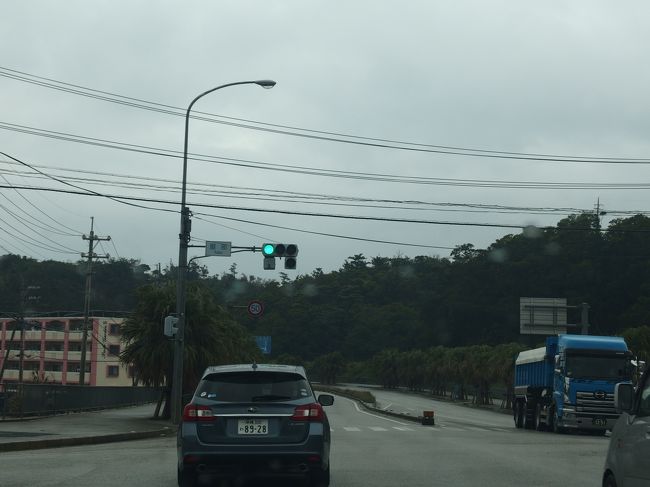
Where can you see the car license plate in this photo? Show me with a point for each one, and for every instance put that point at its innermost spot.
(599, 421)
(253, 427)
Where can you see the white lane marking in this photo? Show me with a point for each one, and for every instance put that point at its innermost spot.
(401, 428)
(377, 428)
(452, 428)
(387, 406)
(474, 428)
(351, 428)
(375, 415)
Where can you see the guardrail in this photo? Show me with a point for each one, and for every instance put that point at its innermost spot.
(49, 399)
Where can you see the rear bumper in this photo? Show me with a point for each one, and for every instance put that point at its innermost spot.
(250, 460)
(253, 465)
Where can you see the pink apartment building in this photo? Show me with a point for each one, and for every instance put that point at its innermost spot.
(52, 348)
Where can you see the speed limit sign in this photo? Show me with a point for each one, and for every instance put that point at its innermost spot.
(255, 309)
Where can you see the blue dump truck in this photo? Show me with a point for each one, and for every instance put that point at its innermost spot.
(569, 383)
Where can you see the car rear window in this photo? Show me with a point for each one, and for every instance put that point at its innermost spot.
(253, 387)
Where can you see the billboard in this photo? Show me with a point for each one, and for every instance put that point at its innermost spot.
(542, 316)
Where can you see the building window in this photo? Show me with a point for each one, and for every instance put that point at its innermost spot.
(33, 346)
(53, 366)
(76, 346)
(76, 325)
(32, 366)
(55, 325)
(114, 329)
(13, 325)
(54, 346)
(112, 371)
(11, 365)
(114, 350)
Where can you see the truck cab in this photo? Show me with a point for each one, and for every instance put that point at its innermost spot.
(586, 371)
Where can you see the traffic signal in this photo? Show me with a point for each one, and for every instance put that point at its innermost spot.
(291, 252)
(287, 251)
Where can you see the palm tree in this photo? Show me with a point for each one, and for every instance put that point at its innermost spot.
(211, 338)
(503, 365)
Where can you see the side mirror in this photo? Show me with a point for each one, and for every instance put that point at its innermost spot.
(325, 400)
(624, 397)
(557, 365)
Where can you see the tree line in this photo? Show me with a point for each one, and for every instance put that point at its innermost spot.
(466, 305)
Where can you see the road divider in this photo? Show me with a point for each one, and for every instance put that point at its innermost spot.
(84, 440)
(367, 401)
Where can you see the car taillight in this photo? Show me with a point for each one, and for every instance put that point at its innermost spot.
(194, 412)
(308, 412)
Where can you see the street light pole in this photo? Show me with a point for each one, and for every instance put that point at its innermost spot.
(184, 240)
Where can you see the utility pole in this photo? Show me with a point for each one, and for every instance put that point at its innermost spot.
(92, 239)
(7, 351)
(26, 296)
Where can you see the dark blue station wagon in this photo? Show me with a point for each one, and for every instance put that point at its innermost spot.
(254, 421)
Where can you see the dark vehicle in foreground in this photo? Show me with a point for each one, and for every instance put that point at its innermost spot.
(627, 463)
(254, 421)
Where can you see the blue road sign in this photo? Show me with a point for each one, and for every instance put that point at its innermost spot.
(264, 342)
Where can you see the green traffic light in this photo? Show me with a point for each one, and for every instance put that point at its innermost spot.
(268, 249)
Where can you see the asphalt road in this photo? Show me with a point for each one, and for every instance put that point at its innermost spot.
(368, 450)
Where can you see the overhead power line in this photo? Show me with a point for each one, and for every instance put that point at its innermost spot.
(82, 190)
(564, 185)
(322, 135)
(323, 172)
(323, 234)
(262, 194)
(320, 215)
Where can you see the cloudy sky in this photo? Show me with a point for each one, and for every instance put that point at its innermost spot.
(373, 102)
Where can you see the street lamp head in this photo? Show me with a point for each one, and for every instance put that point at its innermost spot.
(266, 83)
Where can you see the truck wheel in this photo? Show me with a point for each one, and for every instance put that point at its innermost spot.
(531, 417)
(519, 415)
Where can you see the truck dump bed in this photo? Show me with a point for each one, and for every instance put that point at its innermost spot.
(534, 369)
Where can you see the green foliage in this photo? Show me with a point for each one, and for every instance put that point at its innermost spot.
(638, 341)
(450, 371)
(211, 337)
(328, 367)
(398, 304)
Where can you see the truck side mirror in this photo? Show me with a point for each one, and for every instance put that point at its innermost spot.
(624, 397)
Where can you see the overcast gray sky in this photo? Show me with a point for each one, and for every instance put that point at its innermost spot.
(567, 78)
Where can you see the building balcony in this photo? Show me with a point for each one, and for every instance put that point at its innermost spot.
(54, 335)
(33, 335)
(54, 354)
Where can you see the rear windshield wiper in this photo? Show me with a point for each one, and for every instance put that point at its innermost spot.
(270, 397)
